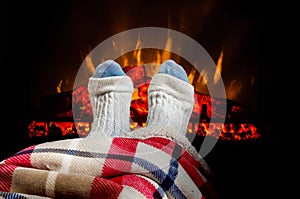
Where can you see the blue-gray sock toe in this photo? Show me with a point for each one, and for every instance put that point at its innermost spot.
(172, 68)
(108, 68)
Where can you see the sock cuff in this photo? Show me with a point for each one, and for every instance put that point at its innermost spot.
(100, 86)
(172, 86)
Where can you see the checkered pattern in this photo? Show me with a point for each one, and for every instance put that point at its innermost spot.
(154, 167)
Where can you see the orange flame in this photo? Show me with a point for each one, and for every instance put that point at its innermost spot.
(58, 87)
(151, 57)
(234, 88)
(217, 75)
(139, 105)
(89, 63)
(138, 52)
(191, 75)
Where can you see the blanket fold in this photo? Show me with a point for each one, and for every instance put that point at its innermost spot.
(119, 167)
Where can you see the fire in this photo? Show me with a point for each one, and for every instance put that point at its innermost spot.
(227, 131)
(140, 65)
(89, 62)
(203, 106)
(191, 76)
(203, 78)
(166, 53)
(217, 75)
(152, 58)
(58, 88)
(139, 111)
(234, 88)
(138, 52)
(58, 129)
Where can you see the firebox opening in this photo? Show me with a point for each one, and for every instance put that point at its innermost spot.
(71, 114)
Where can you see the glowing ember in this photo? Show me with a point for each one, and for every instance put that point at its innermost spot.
(140, 65)
(227, 131)
(58, 129)
(205, 125)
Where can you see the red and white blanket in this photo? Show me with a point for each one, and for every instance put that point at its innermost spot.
(120, 167)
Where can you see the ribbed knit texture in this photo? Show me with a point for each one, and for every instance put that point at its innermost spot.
(170, 103)
(110, 98)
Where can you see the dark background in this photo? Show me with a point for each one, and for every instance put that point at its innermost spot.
(45, 42)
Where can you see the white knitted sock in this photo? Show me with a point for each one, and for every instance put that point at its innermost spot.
(170, 102)
(110, 98)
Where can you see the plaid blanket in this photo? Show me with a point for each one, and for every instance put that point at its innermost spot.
(120, 167)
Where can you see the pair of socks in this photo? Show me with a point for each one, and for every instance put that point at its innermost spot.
(170, 99)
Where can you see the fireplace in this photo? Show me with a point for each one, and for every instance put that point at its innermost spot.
(243, 35)
(59, 118)
(70, 112)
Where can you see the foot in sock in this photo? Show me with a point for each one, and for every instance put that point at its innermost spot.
(110, 94)
(108, 68)
(170, 67)
(170, 98)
